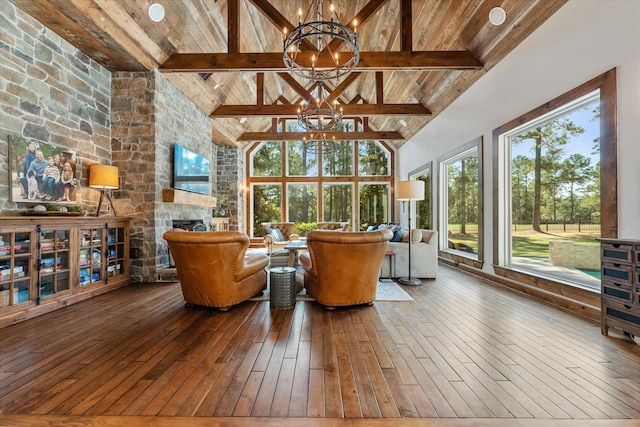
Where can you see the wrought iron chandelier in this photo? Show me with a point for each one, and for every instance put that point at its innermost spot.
(319, 143)
(318, 114)
(325, 64)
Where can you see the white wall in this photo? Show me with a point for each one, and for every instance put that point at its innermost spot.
(582, 40)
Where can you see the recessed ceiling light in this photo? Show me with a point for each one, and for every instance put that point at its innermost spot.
(403, 123)
(242, 120)
(156, 12)
(497, 16)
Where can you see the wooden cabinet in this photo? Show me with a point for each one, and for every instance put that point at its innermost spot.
(49, 262)
(620, 271)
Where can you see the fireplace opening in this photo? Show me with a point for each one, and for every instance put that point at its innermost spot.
(190, 224)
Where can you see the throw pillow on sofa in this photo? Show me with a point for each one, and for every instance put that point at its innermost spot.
(277, 235)
(416, 235)
(426, 235)
(397, 235)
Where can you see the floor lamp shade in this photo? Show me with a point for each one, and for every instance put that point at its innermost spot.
(104, 177)
(411, 190)
(407, 192)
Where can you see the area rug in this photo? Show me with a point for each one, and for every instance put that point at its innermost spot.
(387, 291)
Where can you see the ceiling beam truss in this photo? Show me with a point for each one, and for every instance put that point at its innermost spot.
(272, 62)
(290, 110)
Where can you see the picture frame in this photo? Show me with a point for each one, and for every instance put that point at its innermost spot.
(34, 183)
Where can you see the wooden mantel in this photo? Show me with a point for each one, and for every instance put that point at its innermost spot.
(171, 195)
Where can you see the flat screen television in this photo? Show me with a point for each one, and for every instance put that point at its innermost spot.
(190, 171)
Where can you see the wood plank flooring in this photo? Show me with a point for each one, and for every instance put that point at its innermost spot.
(463, 352)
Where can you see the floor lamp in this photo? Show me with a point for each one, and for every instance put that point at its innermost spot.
(104, 177)
(409, 191)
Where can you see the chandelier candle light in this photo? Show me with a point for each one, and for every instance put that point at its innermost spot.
(409, 191)
(319, 143)
(319, 115)
(324, 64)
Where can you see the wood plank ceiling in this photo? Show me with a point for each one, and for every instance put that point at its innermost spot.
(417, 56)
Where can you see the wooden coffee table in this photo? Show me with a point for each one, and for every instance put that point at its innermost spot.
(293, 249)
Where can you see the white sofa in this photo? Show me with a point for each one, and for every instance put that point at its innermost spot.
(424, 256)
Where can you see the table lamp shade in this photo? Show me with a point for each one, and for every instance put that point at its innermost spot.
(103, 176)
(411, 190)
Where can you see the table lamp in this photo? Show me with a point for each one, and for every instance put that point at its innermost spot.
(104, 177)
(409, 191)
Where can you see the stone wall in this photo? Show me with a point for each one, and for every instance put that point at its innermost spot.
(133, 151)
(53, 93)
(230, 179)
(149, 117)
(50, 92)
(178, 121)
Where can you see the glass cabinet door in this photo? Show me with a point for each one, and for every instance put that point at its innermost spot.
(91, 246)
(15, 261)
(115, 252)
(54, 262)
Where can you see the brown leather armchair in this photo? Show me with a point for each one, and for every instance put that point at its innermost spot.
(213, 267)
(342, 267)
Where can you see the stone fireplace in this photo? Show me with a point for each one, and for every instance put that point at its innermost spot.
(149, 116)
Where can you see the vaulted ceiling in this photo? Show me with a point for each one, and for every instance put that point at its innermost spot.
(417, 56)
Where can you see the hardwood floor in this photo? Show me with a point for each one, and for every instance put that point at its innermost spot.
(463, 352)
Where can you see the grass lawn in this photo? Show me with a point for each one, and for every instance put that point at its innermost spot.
(529, 243)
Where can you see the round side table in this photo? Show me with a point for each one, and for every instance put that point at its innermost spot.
(282, 282)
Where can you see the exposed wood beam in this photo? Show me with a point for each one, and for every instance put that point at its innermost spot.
(231, 111)
(406, 26)
(306, 93)
(276, 18)
(335, 94)
(369, 61)
(260, 89)
(233, 27)
(283, 100)
(379, 88)
(356, 99)
(338, 136)
(300, 90)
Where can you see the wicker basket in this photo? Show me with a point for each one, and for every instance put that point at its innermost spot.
(283, 287)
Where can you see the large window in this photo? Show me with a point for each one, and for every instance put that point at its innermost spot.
(302, 203)
(267, 161)
(266, 203)
(353, 184)
(551, 167)
(301, 162)
(374, 204)
(461, 197)
(423, 216)
(373, 159)
(337, 202)
(340, 161)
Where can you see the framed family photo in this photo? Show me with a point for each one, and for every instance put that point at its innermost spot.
(41, 173)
